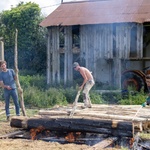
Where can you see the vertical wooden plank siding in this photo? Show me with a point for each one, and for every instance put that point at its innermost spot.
(118, 41)
(119, 53)
(58, 54)
(110, 39)
(82, 43)
(70, 55)
(117, 72)
(1, 50)
(123, 41)
(55, 56)
(96, 46)
(90, 49)
(128, 38)
(96, 50)
(86, 46)
(49, 65)
(105, 28)
(139, 40)
(65, 57)
(68, 60)
(96, 43)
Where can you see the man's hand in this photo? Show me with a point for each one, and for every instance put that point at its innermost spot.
(81, 87)
(7, 87)
(144, 104)
(148, 100)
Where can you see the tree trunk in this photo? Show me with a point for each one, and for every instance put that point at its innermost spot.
(20, 90)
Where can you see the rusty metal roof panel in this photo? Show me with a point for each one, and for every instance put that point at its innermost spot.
(99, 12)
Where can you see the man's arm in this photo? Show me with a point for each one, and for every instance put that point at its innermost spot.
(4, 86)
(14, 74)
(15, 78)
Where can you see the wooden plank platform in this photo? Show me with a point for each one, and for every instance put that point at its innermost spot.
(118, 112)
(115, 113)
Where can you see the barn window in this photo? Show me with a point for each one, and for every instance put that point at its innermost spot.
(61, 37)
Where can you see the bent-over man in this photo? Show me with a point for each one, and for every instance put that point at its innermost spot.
(87, 84)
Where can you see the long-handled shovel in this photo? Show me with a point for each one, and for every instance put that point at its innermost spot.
(143, 105)
(137, 112)
(75, 104)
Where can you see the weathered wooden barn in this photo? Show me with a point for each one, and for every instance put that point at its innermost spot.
(107, 36)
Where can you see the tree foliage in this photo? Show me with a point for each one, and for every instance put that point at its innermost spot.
(31, 37)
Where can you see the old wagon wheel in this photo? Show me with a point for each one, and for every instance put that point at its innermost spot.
(132, 79)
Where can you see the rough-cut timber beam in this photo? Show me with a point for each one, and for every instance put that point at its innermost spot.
(75, 125)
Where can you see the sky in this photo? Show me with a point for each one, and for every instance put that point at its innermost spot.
(47, 6)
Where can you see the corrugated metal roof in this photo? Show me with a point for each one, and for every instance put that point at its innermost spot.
(99, 12)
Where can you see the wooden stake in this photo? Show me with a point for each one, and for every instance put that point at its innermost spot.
(20, 90)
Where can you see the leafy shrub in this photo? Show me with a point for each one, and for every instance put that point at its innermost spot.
(96, 98)
(34, 97)
(35, 80)
(70, 94)
(38, 81)
(133, 97)
(38, 98)
(25, 81)
(55, 96)
(111, 97)
(136, 99)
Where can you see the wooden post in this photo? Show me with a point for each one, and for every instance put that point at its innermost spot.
(1, 50)
(20, 90)
(55, 56)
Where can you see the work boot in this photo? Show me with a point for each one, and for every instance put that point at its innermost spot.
(8, 118)
(89, 106)
(86, 106)
(83, 107)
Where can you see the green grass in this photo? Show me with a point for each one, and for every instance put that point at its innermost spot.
(29, 112)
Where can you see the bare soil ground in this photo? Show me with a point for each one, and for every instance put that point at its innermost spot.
(24, 144)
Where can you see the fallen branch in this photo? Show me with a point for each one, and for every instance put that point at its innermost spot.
(11, 135)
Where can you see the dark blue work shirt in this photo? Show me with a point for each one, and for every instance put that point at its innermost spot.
(8, 78)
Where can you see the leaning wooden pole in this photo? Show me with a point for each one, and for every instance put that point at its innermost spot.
(20, 90)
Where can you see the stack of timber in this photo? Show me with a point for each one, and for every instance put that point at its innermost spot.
(113, 120)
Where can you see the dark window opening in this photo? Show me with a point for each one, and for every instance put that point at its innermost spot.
(61, 37)
(76, 36)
